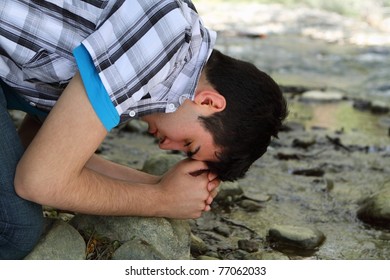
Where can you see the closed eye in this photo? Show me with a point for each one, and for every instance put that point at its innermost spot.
(190, 154)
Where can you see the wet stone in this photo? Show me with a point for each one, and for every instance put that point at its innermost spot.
(376, 209)
(198, 246)
(249, 246)
(294, 236)
(250, 205)
(379, 107)
(321, 96)
(222, 230)
(228, 192)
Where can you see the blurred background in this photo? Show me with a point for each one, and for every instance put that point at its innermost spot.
(341, 48)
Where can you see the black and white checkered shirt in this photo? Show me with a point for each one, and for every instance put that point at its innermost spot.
(147, 54)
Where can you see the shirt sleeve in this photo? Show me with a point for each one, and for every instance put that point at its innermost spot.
(135, 48)
(146, 55)
(96, 92)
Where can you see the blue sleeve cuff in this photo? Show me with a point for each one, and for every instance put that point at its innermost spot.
(96, 92)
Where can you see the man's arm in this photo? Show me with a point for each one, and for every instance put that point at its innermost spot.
(30, 127)
(53, 170)
(121, 172)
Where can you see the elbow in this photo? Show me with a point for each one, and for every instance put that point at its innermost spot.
(29, 186)
(22, 186)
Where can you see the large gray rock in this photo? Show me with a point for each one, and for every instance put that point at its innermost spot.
(158, 237)
(61, 242)
(376, 209)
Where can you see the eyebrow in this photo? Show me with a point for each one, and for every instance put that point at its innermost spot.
(190, 154)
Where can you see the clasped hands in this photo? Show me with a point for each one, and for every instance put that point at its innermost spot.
(188, 189)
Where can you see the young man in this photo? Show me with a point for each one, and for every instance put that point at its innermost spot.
(96, 64)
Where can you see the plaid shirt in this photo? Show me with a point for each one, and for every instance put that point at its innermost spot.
(147, 54)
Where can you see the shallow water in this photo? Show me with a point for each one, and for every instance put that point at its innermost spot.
(361, 127)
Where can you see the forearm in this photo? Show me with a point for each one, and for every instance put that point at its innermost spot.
(29, 128)
(118, 171)
(94, 193)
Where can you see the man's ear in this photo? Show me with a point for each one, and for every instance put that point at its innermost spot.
(211, 98)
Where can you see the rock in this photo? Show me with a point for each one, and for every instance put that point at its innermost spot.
(375, 107)
(170, 238)
(267, 255)
(206, 258)
(250, 205)
(61, 242)
(198, 246)
(223, 230)
(249, 246)
(304, 143)
(379, 107)
(137, 250)
(294, 236)
(228, 192)
(256, 196)
(362, 105)
(158, 164)
(376, 209)
(293, 126)
(321, 96)
(311, 172)
(136, 126)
